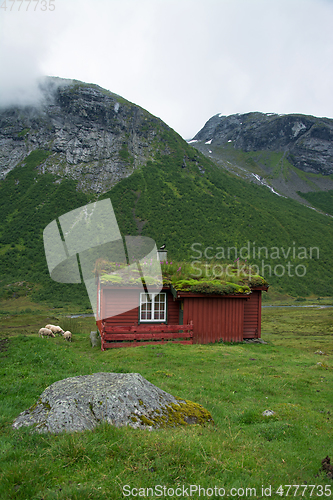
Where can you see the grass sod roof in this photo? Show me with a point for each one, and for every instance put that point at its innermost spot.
(213, 278)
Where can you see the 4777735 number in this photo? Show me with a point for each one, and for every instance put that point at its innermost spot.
(317, 490)
(24, 5)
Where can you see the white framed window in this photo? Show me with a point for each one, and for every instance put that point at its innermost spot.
(152, 306)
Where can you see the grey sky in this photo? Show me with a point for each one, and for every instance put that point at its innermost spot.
(182, 60)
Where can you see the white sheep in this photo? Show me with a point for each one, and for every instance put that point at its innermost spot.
(55, 329)
(67, 336)
(45, 332)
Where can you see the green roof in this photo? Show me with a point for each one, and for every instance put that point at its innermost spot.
(214, 278)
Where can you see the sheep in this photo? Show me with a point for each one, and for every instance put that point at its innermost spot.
(46, 332)
(67, 336)
(55, 329)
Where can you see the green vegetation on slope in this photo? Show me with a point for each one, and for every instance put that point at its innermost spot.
(272, 166)
(322, 200)
(181, 199)
(28, 202)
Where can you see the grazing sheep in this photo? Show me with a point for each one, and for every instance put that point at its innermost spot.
(45, 332)
(55, 329)
(67, 336)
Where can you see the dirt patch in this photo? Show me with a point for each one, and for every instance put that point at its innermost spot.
(327, 467)
(4, 344)
(18, 326)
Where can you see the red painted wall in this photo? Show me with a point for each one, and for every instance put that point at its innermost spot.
(252, 315)
(173, 310)
(111, 298)
(114, 298)
(215, 318)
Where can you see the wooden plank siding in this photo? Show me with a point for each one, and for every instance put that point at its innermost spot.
(215, 318)
(117, 328)
(113, 299)
(172, 310)
(115, 336)
(252, 316)
(230, 318)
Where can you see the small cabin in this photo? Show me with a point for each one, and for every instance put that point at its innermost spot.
(176, 315)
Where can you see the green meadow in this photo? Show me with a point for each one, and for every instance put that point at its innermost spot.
(236, 382)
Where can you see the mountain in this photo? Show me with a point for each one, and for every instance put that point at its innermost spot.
(293, 154)
(82, 143)
(94, 137)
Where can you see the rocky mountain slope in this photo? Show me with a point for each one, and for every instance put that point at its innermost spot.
(82, 143)
(290, 153)
(94, 136)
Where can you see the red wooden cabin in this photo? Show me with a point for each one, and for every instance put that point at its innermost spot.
(176, 316)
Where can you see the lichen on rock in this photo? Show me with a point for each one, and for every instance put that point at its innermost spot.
(80, 403)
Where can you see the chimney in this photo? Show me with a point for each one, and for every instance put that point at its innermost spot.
(162, 255)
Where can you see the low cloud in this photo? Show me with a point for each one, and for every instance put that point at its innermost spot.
(26, 38)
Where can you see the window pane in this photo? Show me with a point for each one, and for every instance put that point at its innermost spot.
(159, 307)
(146, 307)
(152, 307)
(146, 311)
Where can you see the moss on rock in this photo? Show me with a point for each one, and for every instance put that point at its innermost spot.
(184, 412)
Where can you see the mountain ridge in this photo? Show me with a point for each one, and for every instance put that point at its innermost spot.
(292, 154)
(94, 135)
(306, 140)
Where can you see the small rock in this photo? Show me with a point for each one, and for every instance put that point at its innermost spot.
(268, 413)
(255, 341)
(322, 364)
(95, 339)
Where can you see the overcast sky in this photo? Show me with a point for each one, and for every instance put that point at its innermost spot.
(182, 60)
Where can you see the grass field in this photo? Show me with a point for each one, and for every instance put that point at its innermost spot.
(235, 382)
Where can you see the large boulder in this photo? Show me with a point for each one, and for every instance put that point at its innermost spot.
(79, 403)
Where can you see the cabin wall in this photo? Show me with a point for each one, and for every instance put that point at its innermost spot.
(114, 299)
(252, 316)
(215, 318)
(172, 310)
(228, 318)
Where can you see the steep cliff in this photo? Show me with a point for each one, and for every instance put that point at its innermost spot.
(306, 141)
(293, 154)
(94, 136)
